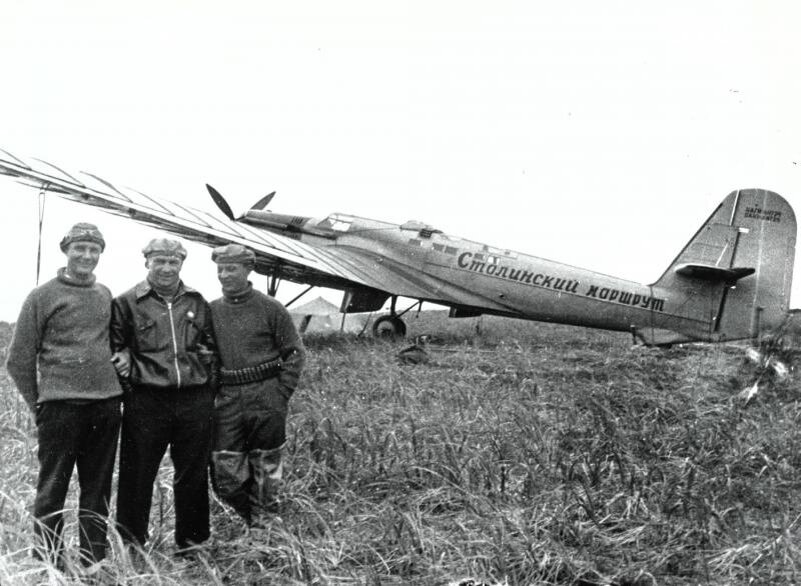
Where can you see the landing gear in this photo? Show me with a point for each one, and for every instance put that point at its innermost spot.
(392, 326)
(389, 326)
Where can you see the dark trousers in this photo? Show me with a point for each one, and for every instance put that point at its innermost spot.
(152, 420)
(249, 432)
(86, 435)
(250, 417)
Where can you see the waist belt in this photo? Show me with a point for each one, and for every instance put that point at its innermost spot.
(251, 374)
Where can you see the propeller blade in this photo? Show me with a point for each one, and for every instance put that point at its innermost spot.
(262, 203)
(220, 201)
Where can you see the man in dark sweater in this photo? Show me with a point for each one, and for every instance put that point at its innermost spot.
(63, 334)
(262, 357)
(162, 335)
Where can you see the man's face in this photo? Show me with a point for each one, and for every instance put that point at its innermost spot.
(164, 270)
(233, 276)
(82, 258)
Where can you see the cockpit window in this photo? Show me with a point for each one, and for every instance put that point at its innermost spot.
(413, 225)
(497, 252)
(337, 222)
(423, 230)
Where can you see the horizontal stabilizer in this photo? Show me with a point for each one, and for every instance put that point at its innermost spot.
(714, 273)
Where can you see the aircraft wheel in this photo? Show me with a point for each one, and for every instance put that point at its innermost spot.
(389, 326)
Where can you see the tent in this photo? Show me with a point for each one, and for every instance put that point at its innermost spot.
(320, 315)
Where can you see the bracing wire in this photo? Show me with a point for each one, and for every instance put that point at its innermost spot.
(42, 193)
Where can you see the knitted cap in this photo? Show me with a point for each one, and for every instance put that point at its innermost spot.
(82, 232)
(235, 253)
(164, 247)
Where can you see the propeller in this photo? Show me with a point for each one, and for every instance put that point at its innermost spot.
(226, 209)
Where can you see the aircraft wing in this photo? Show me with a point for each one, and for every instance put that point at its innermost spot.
(335, 267)
(183, 221)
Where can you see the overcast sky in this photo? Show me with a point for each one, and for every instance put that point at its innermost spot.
(600, 134)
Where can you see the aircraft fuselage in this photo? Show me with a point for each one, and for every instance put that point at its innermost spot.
(501, 281)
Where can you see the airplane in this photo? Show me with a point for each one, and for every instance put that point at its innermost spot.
(731, 281)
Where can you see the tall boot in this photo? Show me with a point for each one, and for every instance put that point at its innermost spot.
(267, 470)
(230, 478)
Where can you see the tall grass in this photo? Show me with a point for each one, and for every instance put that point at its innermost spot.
(526, 454)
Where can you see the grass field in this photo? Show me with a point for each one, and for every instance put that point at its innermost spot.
(524, 454)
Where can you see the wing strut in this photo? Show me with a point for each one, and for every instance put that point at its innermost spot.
(309, 288)
(275, 280)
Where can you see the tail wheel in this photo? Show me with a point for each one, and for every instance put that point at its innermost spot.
(389, 326)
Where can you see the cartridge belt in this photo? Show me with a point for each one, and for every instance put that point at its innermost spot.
(251, 374)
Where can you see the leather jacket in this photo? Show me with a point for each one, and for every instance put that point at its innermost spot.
(171, 344)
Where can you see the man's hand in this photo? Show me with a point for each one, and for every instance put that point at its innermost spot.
(122, 363)
(204, 352)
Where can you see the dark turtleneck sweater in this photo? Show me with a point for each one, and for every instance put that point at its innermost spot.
(63, 334)
(252, 328)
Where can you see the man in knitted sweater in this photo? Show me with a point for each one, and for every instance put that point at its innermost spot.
(62, 334)
(262, 357)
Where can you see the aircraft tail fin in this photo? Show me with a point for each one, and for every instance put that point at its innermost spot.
(740, 263)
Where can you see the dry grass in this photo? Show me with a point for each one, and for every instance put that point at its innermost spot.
(529, 454)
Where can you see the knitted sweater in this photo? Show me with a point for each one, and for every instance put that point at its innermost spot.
(253, 328)
(60, 348)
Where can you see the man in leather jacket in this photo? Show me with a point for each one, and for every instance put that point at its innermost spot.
(165, 351)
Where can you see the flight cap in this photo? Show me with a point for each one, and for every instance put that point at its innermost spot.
(234, 253)
(82, 232)
(164, 247)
